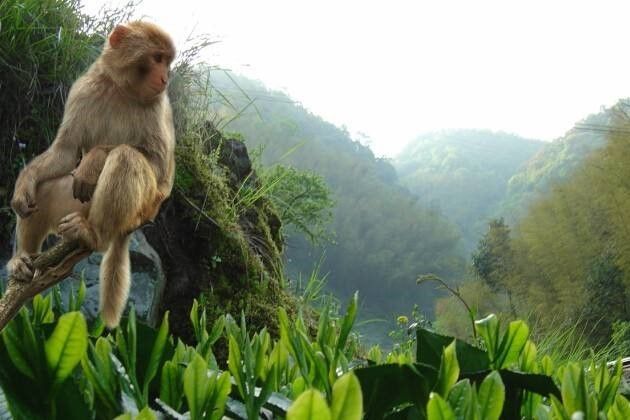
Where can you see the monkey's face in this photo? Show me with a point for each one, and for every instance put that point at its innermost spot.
(153, 73)
(138, 57)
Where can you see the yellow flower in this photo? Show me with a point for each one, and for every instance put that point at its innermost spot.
(402, 319)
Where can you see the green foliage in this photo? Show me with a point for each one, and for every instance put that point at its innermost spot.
(205, 393)
(250, 362)
(492, 261)
(487, 384)
(449, 370)
(319, 362)
(66, 346)
(554, 163)
(504, 348)
(40, 350)
(347, 402)
(570, 253)
(620, 337)
(606, 295)
(303, 200)
(591, 392)
(310, 405)
(138, 373)
(467, 402)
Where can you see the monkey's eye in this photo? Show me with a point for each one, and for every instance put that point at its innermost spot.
(158, 57)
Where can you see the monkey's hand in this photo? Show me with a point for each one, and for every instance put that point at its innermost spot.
(85, 176)
(21, 267)
(23, 201)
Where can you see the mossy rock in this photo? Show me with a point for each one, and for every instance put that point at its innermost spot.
(219, 238)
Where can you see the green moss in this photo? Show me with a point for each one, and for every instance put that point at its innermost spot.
(244, 259)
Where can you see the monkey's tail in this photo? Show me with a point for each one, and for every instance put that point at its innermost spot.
(114, 281)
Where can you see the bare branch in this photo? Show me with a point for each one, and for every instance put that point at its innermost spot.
(49, 268)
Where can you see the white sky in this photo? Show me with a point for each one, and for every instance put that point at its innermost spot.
(396, 69)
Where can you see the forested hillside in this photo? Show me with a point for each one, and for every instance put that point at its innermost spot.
(567, 258)
(463, 173)
(553, 163)
(384, 238)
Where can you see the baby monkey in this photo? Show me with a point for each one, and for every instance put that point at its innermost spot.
(118, 126)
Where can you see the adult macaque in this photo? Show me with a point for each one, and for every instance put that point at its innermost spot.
(117, 125)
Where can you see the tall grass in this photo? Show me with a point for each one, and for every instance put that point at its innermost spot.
(568, 341)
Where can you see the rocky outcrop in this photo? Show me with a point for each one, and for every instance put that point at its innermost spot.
(206, 252)
(216, 239)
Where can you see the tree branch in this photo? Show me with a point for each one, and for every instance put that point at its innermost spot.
(49, 268)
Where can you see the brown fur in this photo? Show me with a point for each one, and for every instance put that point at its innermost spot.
(118, 124)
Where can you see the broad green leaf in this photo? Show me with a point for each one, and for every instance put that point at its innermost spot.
(100, 373)
(81, 294)
(132, 340)
(438, 409)
(606, 385)
(146, 414)
(620, 409)
(71, 304)
(488, 329)
(460, 399)
(347, 323)
(170, 385)
(57, 300)
(600, 375)
(217, 329)
(540, 384)
(219, 396)
(449, 371)
(512, 344)
(234, 364)
(156, 355)
(67, 345)
(261, 344)
(266, 390)
(546, 364)
(196, 384)
(311, 405)
(126, 416)
(297, 387)
(347, 400)
(97, 328)
(574, 389)
(12, 338)
(194, 319)
(528, 358)
(323, 326)
(430, 346)
(543, 412)
(530, 404)
(279, 358)
(491, 396)
(385, 387)
(42, 310)
(69, 403)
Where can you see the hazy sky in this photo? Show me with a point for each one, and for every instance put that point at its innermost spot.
(393, 70)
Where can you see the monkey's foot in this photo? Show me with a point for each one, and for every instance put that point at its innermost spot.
(21, 268)
(74, 227)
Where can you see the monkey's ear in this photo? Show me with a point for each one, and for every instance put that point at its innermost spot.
(117, 35)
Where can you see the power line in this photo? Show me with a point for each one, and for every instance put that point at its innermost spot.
(601, 128)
